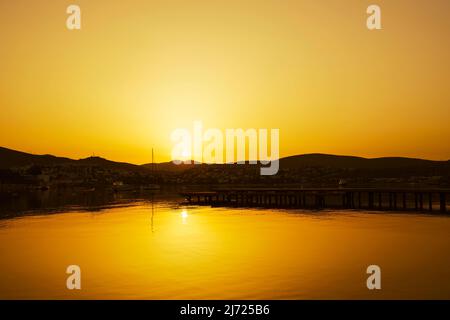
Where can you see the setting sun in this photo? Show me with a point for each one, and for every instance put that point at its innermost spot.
(125, 81)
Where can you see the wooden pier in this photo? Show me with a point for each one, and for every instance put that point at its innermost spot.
(322, 198)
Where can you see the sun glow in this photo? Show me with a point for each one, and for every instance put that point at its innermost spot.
(184, 216)
(124, 82)
(185, 155)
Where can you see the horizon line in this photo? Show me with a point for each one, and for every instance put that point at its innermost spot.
(193, 162)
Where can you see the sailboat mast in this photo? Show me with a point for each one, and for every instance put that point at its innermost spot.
(153, 164)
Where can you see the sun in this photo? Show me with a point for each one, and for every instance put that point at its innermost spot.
(185, 154)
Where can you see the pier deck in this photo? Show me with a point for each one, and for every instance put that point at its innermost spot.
(323, 198)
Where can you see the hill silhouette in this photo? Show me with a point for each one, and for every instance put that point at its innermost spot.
(308, 169)
(11, 158)
(340, 162)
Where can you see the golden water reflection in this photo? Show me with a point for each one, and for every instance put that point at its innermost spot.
(168, 252)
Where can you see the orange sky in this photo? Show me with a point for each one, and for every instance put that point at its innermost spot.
(137, 70)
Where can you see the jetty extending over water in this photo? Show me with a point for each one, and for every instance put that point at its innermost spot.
(322, 198)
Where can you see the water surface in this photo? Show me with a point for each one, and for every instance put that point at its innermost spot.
(164, 250)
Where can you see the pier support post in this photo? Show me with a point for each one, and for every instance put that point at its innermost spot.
(395, 200)
(430, 201)
(404, 201)
(352, 198)
(359, 200)
(390, 200)
(442, 202)
(416, 202)
(380, 200)
(371, 200)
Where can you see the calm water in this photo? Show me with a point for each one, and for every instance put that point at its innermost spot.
(163, 250)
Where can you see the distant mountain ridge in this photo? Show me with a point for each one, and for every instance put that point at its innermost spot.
(11, 158)
(336, 161)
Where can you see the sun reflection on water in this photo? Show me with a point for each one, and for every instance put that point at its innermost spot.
(184, 216)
